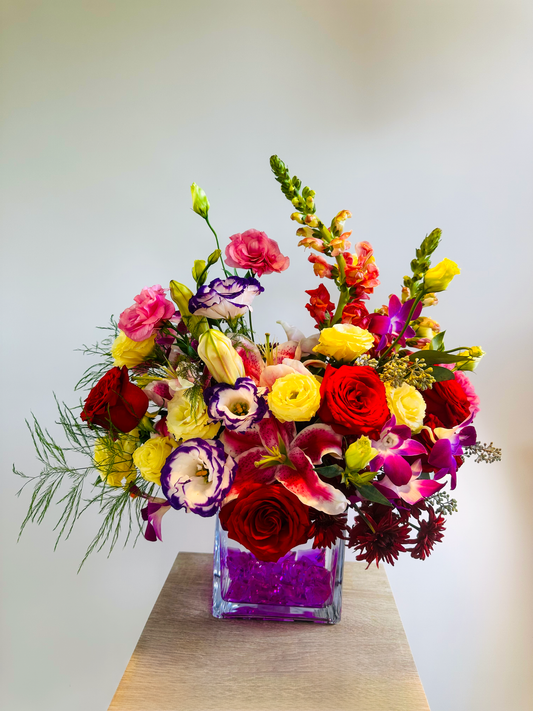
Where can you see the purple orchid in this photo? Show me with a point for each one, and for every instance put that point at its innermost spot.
(153, 512)
(394, 444)
(197, 475)
(237, 406)
(389, 327)
(411, 491)
(448, 445)
(272, 451)
(225, 298)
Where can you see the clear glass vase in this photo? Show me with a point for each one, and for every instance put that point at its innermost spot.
(306, 584)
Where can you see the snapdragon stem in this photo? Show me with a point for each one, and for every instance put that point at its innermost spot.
(226, 273)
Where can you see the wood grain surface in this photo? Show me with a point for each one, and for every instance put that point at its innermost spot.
(186, 660)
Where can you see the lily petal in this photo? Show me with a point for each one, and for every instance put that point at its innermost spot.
(153, 512)
(304, 482)
(247, 472)
(270, 431)
(235, 443)
(318, 440)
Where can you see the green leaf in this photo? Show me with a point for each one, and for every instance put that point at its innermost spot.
(329, 472)
(436, 357)
(441, 374)
(369, 492)
(437, 343)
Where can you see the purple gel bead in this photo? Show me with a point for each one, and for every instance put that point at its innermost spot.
(295, 580)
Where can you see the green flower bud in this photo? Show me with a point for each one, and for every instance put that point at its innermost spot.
(200, 203)
(359, 454)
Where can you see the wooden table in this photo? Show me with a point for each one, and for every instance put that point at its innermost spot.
(186, 660)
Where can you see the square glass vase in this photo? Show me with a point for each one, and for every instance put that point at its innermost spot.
(305, 585)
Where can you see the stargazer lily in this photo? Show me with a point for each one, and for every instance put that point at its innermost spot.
(394, 444)
(448, 445)
(272, 451)
(413, 490)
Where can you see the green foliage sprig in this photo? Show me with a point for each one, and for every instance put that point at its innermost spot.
(422, 262)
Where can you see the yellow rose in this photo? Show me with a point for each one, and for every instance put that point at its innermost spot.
(186, 420)
(438, 278)
(114, 460)
(407, 405)
(131, 353)
(344, 341)
(150, 457)
(294, 397)
(359, 454)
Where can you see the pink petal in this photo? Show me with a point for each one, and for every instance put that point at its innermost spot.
(421, 489)
(318, 440)
(247, 472)
(272, 372)
(285, 350)
(304, 482)
(154, 514)
(270, 431)
(236, 443)
(397, 469)
(251, 357)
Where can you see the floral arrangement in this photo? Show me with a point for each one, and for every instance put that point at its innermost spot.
(190, 410)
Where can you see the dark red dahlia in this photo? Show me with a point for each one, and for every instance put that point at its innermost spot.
(430, 531)
(326, 529)
(379, 534)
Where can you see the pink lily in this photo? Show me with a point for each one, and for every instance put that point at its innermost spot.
(394, 444)
(413, 490)
(271, 451)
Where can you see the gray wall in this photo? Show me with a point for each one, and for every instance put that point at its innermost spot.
(411, 114)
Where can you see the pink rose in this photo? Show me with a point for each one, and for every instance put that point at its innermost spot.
(140, 320)
(254, 250)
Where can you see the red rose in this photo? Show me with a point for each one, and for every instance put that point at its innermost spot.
(115, 403)
(320, 305)
(353, 400)
(447, 402)
(267, 520)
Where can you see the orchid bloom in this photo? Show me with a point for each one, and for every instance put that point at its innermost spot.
(271, 451)
(153, 512)
(394, 444)
(448, 445)
(389, 327)
(412, 490)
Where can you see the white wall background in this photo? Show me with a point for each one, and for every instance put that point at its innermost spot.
(412, 114)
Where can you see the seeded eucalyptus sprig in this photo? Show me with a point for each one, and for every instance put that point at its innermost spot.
(421, 263)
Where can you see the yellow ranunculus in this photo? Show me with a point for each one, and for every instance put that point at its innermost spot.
(407, 405)
(113, 458)
(150, 457)
(359, 454)
(344, 341)
(438, 278)
(186, 420)
(131, 353)
(294, 397)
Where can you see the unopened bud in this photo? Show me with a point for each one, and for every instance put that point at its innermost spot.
(297, 217)
(222, 360)
(430, 300)
(311, 220)
(200, 203)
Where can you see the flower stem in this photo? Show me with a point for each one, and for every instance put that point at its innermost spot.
(226, 273)
(405, 326)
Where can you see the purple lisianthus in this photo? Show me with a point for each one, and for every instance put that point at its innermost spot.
(238, 406)
(197, 475)
(389, 327)
(225, 298)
